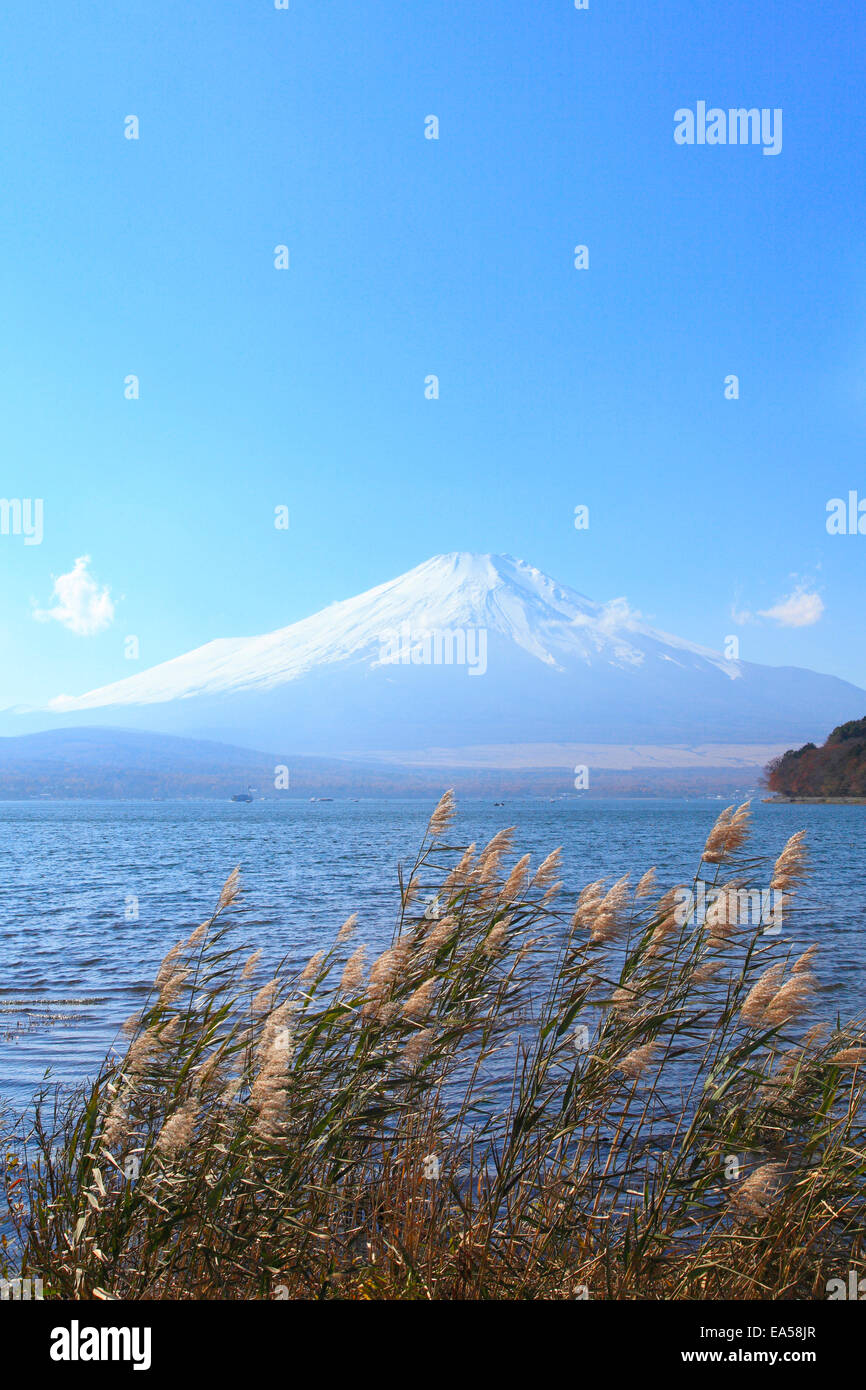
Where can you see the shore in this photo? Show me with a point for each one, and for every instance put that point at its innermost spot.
(815, 800)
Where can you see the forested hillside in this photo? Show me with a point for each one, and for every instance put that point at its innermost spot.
(838, 768)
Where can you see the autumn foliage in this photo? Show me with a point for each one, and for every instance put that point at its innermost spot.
(836, 769)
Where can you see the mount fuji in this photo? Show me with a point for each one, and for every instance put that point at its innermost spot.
(466, 650)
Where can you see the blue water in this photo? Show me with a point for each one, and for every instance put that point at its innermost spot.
(74, 961)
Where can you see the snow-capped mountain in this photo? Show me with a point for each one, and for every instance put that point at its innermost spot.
(468, 649)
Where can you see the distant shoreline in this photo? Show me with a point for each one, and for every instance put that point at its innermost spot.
(815, 800)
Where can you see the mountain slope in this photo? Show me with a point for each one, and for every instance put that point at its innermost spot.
(837, 768)
(99, 763)
(507, 597)
(109, 763)
(467, 649)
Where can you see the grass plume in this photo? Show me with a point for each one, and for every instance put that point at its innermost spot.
(513, 1101)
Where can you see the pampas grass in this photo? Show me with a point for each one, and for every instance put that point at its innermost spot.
(513, 1101)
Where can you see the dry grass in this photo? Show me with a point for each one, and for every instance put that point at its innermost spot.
(511, 1102)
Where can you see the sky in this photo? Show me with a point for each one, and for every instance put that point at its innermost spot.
(307, 388)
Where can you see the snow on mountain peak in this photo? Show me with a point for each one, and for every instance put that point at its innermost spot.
(515, 604)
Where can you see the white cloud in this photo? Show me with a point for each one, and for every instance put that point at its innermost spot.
(741, 615)
(801, 608)
(82, 606)
(617, 614)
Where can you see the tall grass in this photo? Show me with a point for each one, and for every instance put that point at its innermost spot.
(621, 1101)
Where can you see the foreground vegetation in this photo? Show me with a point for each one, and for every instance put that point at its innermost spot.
(618, 1101)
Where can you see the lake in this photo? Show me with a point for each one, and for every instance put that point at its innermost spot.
(94, 893)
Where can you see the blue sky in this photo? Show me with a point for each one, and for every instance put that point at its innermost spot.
(411, 257)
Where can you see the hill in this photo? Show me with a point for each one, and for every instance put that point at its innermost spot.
(109, 763)
(120, 764)
(838, 768)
